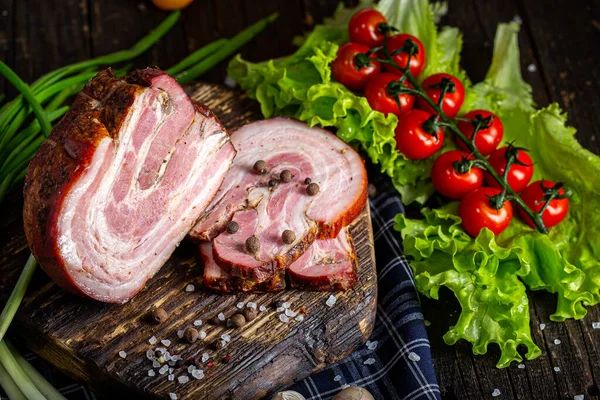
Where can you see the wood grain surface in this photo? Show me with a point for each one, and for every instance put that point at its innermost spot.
(559, 58)
(83, 337)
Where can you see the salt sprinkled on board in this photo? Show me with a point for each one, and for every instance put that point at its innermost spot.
(531, 68)
(596, 325)
(372, 345)
(163, 370)
(171, 377)
(171, 370)
(189, 288)
(221, 317)
(299, 318)
(331, 301)
(153, 340)
(578, 397)
(180, 333)
(496, 393)
(290, 313)
(205, 357)
(557, 341)
(251, 305)
(229, 82)
(226, 337)
(262, 308)
(172, 396)
(191, 368)
(155, 364)
(283, 318)
(280, 309)
(369, 361)
(122, 354)
(198, 322)
(198, 374)
(521, 366)
(202, 335)
(518, 19)
(240, 305)
(556, 369)
(412, 356)
(337, 378)
(542, 326)
(285, 305)
(183, 379)
(150, 354)
(151, 372)
(166, 342)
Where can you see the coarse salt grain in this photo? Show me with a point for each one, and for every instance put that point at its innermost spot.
(280, 309)
(542, 326)
(531, 68)
(290, 313)
(412, 356)
(496, 393)
(150, 354)
(229, 82)
(166, 342)
(151, 372)
(226, 337)
(369, 361)
(202, 335)
(596, 325)
(337, 378)
(372, 345)
(221, 317)
(153, 340)
(198, 322)
(183, 379)
(171, 370)
(180, 333)
(521, 366)
(251, 305)
(556, 369)
(189, 288)
(331, 301)
(198, 374)
(299, 318)
(518, 19)
(205, 357)
(171, 377)
(172, 396)
(578, 397)
(163, 370)
(283, 318)
(191, 368)
(262, 308)
(155, 364)
(285, 305)
(167, 356)
(557, 341)
(240, 305)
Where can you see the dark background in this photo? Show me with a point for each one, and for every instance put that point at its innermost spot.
(559, 43)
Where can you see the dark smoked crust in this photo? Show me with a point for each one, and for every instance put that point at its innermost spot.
(328, 283)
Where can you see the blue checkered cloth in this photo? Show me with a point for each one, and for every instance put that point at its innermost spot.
(396, 362)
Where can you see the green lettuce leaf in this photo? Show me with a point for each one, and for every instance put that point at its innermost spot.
(301, 86)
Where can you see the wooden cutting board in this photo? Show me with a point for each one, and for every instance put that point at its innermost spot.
(83, 337)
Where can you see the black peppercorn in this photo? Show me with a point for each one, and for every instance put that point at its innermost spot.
(158, 315)
(288, 236)
(190, 335)
(308, 181)
(261, 167)
(286, 176)
(214, 321)
(252, 244)
(312, 189)
(232, 227)
(272, 183)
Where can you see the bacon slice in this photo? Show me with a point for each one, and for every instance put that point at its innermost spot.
(120, 181)
(266, 211)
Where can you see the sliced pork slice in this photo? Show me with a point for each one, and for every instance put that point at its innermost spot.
(264, 206)
(217, 279)
(120, 181)
(327, 265)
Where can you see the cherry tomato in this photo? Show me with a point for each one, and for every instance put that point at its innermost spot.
(486, 139)
(383, 93)
(169, 5)
(449, 180)
(534, 197)
(346, 68)
(417, 61)
(453, 99)
(365, 27)
(520, 172)
(413, 137)
(477, 212)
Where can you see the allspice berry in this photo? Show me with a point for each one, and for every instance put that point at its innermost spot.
(260, 167)
(312, 189)
(190, 335)
(238, 320)
(286, 176)
(288, 236)
(158, 315)
(232, 227)
(252, 244)
(307, 181)
(272, 183)
(250, 314)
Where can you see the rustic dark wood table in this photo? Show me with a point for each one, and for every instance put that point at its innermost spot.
(559, 57)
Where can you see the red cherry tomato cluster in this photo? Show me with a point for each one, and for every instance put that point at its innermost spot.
(456, 174)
